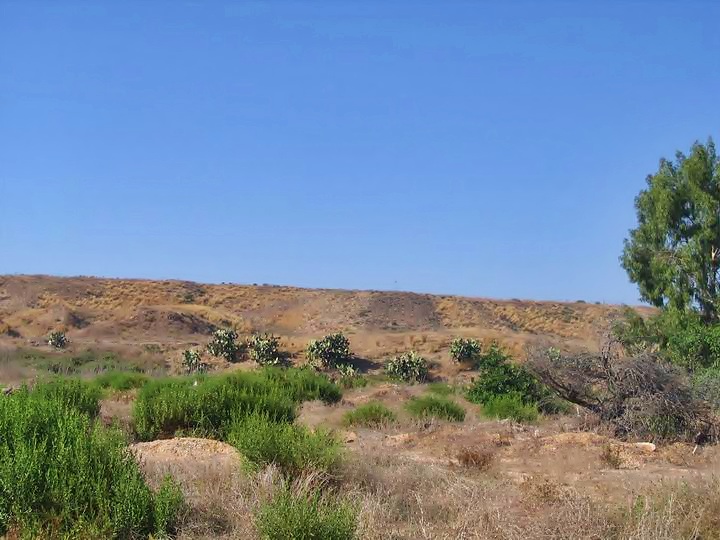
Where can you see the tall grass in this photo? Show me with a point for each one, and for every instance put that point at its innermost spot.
(373, 414)
(208, 405)
(305, 515)
(293, 448)
(435, 407)
(120, 380)
(71, 393)
(510, 406)
(62, 475)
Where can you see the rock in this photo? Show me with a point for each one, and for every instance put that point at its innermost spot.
(349, 436)
(645, 446)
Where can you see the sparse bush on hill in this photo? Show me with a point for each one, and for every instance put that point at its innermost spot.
(193, 363)
(265, 349)
(328, 352)
(293, 448)
(706, 386)
(435, 407)
(306, 514)
(224, 344)
(408, 367)
(373, 414)
(465, 351)
(57, 340)
(61, 475)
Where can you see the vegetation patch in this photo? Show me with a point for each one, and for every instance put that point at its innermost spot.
(207, 405)
(61, 475)
(293, 448)
(435, 407)
(510, 406)
(373, 414)
(306, 515)
(120, 381)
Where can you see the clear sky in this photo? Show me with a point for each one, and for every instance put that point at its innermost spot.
(480, 148)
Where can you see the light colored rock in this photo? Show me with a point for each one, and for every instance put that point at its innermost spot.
(645, 446)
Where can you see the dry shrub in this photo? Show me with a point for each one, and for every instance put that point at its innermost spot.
(610, 456)
(476, 457)
(641, 397)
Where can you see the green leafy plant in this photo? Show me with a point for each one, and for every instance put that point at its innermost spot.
(120, 380)
(408, 367)
(224, 344)
(265, 349)
(466, 351)
(64, 476)
(328, 352)
(293, 448)
(209, 405)
(305, 514)
(435, 407)
(58, 340)
(373, 414)
(73, 394)
(510, 406)
(193, 363)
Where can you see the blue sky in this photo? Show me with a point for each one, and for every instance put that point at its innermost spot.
(481, 148)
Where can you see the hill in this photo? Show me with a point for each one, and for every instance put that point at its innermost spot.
(124, 312)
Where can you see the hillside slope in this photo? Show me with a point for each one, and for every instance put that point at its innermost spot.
(172, 313)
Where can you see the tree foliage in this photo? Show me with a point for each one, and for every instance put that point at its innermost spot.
(674, 253)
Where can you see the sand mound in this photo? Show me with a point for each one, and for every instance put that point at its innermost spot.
(186, 450)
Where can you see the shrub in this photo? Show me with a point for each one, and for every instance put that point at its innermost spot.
(168, 503)
(706, 386)
(435, 407)
(192, 362)
(641, 396)
(440, 389)
(329, 351)
(70, 393)
(499, 379)
(265, 349)
(224, 344)
(209, 405)
(465, 350)
(476, 457)
(57, 340)
(408, 367)
(350, 377)
(510, 406)
(293, 448)
(120, 380)
(305, 515)
(371, 414)
(63, 476)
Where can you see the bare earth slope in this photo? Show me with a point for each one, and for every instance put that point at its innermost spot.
(173, 313)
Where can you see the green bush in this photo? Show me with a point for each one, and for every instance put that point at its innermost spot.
(61, 475)
(373, 414)
(465, 350)
(440, 389)
(510, 406)
(120, 380)
(293, 448)
(307, 515)
(706, 385)
(57, 340)
(208, 405)
(193, 363)
(408, 367)
(224, 344)
(435, 407)
(350, 377)
(71, 393)
(679, 337)
(328, 352)
(265, 349)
